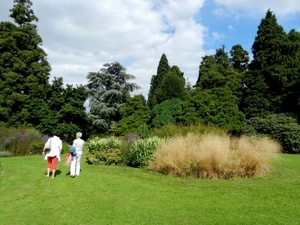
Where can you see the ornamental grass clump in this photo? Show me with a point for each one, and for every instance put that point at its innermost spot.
(104, 151)
(20, 141)
(253, 155)
(214, 156)
(141, 151)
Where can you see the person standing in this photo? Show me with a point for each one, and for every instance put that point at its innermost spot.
(78, 144)
(54, 144)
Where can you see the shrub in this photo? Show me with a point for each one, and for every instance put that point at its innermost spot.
(143, 131)
(282, 127)
(213, 156)
(166, 112)
(134, 113)
(168, 131)
(20, 141)
(141, 151)
(104, 151)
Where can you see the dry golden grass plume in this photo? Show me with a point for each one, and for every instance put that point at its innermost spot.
(214, 156)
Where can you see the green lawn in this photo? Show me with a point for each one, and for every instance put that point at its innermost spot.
(122, 195)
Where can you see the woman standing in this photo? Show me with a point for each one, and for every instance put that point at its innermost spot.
(53, 155)
(78, 144)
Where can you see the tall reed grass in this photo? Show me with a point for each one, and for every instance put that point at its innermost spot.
(214, 156)
(20, 141)
(172, 130)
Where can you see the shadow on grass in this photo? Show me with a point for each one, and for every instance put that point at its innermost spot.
(57, 173)
(68, 173)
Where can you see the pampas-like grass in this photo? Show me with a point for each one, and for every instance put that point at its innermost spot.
(214, 156)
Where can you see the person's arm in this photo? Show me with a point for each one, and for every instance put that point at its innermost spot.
(60, 149)
(43, 153)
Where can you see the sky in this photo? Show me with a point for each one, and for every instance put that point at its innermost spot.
(80, 36)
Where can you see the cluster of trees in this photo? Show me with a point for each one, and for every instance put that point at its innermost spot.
(232, 92)
(26, 96)
(230, 88)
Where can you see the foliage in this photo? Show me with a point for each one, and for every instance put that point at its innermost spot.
(166, 112)
(282, 127)
(172, 130)
(274, 71)
(217, 107)
(293, 69)
(143, 130)
(239, 58)
(167, 84)
(172, 86)
(218, 71)
(24, 70)
(23, 141)
(64, 110)
(103, 151)
(108, 90)
(20, 141)
(211, 156)
(141, 151)
(217, 95)
(27, 98)
(156, 81)
(134, 113)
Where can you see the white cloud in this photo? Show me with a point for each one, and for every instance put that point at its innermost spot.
(230, 27)
(217, 36)
(80, 36)
(258, 7)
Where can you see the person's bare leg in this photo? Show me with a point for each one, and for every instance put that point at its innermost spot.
(48, 172)
(54, 163)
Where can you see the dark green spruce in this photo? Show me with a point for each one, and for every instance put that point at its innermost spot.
(274, 71)
(24, 70)
(156, 81)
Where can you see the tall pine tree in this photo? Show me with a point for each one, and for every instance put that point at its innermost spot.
(268, 81)
(216, 97)
(156, 81)
(172, 86)
(239, 58)
(292, 102)
(24, 70)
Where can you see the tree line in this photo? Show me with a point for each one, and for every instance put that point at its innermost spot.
(231, 91)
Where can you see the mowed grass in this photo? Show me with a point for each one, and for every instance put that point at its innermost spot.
(124, 195)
